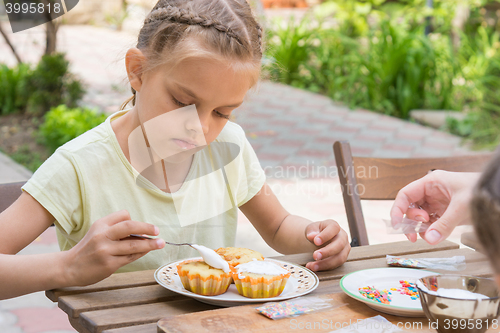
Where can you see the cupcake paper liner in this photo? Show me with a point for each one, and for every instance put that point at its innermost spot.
(260, 287)
(209, 286)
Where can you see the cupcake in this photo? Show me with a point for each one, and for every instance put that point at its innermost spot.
(238, 255)
(260, 279)
(202, 279)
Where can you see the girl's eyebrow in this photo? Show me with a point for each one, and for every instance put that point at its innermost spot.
(192, 94)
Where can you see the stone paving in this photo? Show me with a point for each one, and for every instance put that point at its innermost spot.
(292, 132)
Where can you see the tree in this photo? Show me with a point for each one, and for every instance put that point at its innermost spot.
(7, 40)
(51, 28)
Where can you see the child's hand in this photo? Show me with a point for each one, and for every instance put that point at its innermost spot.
(105, 248)
(333, 245)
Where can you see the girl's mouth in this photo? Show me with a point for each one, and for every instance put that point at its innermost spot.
(185, 145)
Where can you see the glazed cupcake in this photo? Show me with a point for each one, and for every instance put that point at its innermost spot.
(238, 255)
(202, 279)
(260, 279)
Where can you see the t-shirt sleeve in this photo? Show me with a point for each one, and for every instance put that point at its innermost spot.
(56, 186)
(252, 176)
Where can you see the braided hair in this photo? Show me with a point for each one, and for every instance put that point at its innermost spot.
(226, 28)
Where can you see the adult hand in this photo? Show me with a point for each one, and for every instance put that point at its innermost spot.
(333, 245)
(105, 248)
(440, 197)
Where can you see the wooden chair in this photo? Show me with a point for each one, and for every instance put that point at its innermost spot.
(382, 178)
(9, 193)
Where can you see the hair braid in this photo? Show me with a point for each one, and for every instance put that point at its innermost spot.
(185, 16)
(259, 36)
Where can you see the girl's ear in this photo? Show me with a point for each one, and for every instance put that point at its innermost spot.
(135, 62)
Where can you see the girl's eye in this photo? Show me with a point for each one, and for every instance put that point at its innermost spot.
(178, 102)
(221, 115)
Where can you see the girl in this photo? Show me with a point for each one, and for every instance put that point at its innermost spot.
(172, 165)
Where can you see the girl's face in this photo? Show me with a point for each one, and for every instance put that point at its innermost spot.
(185, 108)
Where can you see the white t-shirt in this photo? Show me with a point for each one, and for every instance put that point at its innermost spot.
(90, 177)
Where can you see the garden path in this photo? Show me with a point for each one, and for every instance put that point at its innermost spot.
(292, 132)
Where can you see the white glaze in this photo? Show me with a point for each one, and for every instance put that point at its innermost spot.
(452, 293)
(260, 267)
(212, 258)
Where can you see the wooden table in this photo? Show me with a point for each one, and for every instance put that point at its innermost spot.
(134, 302)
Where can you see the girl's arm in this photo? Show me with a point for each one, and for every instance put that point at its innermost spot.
(99, 254)
(288, 233)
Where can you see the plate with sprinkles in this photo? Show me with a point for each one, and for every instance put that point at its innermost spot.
(389, 290)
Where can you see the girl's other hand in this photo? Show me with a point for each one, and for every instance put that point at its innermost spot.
(333, 245)
(105, 248)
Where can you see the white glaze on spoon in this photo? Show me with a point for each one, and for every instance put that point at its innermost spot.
(212, 258)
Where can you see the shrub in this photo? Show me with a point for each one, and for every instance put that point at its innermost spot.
(402, 72)
(393, 69)
(289, 48)
(37, 90)
(62, 124)
(12, 84)
(51, 84)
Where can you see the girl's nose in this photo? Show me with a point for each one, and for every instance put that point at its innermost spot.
(199, 123)
(204, 120)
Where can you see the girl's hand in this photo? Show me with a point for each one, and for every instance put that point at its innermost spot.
(333, 245)
(105, 248)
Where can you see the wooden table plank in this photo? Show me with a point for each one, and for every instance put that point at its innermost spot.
(115, 281)
(73, 305)
(75, 322)
(470, 239)
(379, 251)
(399, 249)
(144, 278)
(148, 328)
(100, 320)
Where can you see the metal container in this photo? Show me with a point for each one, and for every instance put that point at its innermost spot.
(447, 314)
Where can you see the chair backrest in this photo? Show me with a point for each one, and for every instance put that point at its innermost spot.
(382, 178)
(9, 193)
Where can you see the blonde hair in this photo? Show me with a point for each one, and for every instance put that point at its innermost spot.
(224, 29)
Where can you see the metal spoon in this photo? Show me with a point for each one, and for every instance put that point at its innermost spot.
(209, 256)
(149, 237)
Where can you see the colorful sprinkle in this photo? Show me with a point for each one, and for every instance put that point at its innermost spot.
(376, 295)
(404, 262)
(408, 288)
(383, 296)
(282, 309)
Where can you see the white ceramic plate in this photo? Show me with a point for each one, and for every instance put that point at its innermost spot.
(301, 282)
(386, 278)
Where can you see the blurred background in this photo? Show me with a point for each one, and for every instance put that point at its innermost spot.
(403, 78)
